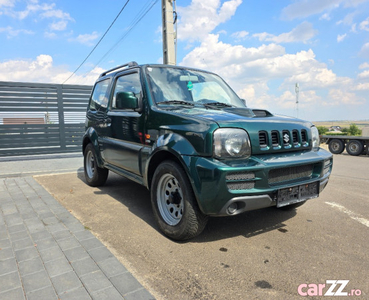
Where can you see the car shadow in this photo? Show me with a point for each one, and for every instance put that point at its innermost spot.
(249, 224)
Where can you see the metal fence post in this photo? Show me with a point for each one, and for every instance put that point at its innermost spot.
(59, 89)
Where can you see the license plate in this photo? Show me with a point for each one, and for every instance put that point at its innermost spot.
(297, 194)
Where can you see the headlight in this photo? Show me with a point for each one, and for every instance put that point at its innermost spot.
(231, 143)
(315, 138)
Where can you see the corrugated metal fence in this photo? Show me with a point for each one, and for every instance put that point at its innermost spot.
(40, 118)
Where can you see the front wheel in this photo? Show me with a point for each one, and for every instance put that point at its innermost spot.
(95, 176)
(174, 204)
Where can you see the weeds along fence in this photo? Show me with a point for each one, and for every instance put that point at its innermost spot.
(37, 118)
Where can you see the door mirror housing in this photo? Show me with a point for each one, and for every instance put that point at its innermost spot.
(127, 100)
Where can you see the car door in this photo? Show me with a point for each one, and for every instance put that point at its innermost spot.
(96, 116)
(123, 146)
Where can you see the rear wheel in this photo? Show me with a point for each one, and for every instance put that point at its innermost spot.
(174, 204)
(354, 147)
(95, 176)
(336, 146)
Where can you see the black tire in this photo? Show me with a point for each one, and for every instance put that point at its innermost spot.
(95, 176)
(336, 146)
(354, 147)
(292, 206)
(173, 202)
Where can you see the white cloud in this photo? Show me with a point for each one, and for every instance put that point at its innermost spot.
(364, 25)
(362, 87)
(31, 8)
(239, 35)
(43, 10)
(8, 3)
(348, 19)
(59, 26)
(250, 70)
(302, 33)
(11, 32)
(86, 39)
(364, 66)
(339, 96)
(340, 38)
(43, 70)
(325, 16)
(56, 13)
(306, 8)
(365, 50)
(201, 17)
(364, 74)
(249, 65)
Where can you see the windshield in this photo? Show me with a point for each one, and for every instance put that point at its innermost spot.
(178, 85)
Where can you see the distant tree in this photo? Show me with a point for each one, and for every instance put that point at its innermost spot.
(345, 130)
(322, 130)
(354, 130)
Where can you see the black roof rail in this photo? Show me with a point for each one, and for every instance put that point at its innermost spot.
(129, 65)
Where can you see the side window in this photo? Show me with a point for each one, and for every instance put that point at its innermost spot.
(99, 96)
(127, 83)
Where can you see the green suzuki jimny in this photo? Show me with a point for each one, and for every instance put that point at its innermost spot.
(185, 135)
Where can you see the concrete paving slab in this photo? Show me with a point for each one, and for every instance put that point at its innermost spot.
(45, 252)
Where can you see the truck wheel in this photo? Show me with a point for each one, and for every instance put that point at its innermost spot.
(174, 204)
(336, 146)
(95, 176)
(354, 147)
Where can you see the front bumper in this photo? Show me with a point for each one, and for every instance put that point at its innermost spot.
(224, 188)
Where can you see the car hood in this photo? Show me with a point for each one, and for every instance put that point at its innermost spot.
(240, 117)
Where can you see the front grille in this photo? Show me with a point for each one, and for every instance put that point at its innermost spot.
(240, 181)
(295, 137)
(327, 166)
(286, 139)
(304, 137)
(275, 139)
(236, 186)
(290, 174)
(240, 176)
(263, 139)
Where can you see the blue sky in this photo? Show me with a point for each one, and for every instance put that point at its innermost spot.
(261, 48)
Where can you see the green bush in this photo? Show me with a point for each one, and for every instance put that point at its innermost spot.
(354, 130)
(322, 130)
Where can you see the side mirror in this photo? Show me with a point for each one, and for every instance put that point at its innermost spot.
(126, 100)
(244, 102)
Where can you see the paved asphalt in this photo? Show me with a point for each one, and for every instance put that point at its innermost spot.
(263, 254)
(45, 252)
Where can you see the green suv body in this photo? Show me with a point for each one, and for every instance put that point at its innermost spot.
(187, 137)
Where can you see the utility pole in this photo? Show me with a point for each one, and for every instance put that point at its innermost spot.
(169, 36)
(297, 91)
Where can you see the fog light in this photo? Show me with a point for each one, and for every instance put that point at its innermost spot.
(232, 208)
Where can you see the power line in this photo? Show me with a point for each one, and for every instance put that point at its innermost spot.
(124, 6)
(143, 12)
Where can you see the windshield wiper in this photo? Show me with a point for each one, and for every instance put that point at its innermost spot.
(176, 102)
(216, 104)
